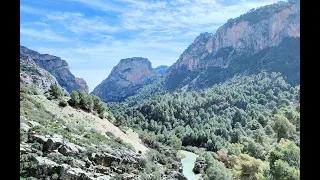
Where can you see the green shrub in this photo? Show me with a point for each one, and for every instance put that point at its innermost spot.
(55, 92)
(37, 146)
(63, 103)
(60, 159)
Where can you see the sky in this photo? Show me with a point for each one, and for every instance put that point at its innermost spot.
(93, 35)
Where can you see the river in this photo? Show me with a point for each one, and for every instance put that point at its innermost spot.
(188, 163)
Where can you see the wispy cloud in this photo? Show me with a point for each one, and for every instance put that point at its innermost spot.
(78, 23)
(31, 10)
(46, 35)
(102, 5)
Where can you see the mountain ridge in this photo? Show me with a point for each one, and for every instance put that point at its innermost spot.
(58, 67)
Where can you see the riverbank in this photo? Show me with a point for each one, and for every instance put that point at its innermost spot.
(188, 162)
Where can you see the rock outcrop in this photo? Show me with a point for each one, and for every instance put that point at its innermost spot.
(58, 67)
(125, 79)
(264, 39)
(33, 75)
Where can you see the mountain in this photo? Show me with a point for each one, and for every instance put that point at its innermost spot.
(126, 78)
(161, 69)
(58, 67)
(33, 75)
(264, 39)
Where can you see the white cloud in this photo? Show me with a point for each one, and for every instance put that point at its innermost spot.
(102, 5)
(78, 23)
(46, 35)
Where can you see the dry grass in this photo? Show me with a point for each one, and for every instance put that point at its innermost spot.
(76, 117)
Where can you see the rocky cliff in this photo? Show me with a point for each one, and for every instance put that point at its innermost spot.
(264, 39)
(57, 67)
(125, 79)
(32, 75)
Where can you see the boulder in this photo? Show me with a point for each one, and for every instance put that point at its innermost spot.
(53, 144)
(24, 127)
(46, 167)
(79, 163)
(79, 174)
(105, 159)
(37, 138)
(69, 149)
(34, 124)
(74, 173)
(128, 176)
(102, 169)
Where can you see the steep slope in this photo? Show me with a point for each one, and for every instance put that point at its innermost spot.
(33, 75)
(68, 143)
(125, 79)
(264, 39)
(57, 67)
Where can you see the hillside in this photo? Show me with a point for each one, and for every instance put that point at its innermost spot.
(62, 142)
(243, 118)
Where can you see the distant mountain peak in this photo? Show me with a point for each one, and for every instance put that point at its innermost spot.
(129, 75)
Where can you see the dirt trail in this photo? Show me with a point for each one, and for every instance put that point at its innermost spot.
(77, 116)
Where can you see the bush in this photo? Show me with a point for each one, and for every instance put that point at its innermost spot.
(55, 92)
(110, 134)
(63, 103)
(60, 159)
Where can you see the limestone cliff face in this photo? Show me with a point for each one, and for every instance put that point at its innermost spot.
(57, 67)
(125, 79)
(247, 44)
(83, 84)
(33, 75)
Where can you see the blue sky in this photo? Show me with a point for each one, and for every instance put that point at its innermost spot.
(93, 35)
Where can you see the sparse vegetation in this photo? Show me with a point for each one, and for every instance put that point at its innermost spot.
(87, 102)
(55, 92)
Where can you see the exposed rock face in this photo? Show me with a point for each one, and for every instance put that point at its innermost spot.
(125, 79)
(264, 39)
(33, 75)
(83, 84)
(57, 67)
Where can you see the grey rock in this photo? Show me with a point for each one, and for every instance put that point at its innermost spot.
(24, 127)
(37, 138)
(46, 166)
(57, 67)
(79, 174)
(34, 124)
(69, 149)
(74, 173)
(78, 163)
(33, 75)
(53, 144)
(105, 159)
